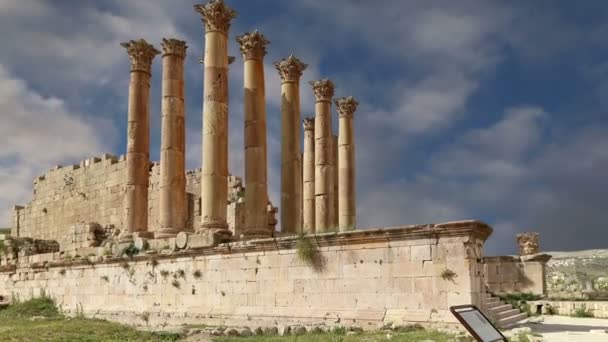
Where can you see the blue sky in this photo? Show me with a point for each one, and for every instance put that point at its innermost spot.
(490, 110)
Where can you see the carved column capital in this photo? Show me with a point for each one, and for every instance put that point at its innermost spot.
(253, 45)
(141, 54)
(290, 69)
(309, 124)
(216, 15)
(323, 89)
(346, 106)
(174, 47)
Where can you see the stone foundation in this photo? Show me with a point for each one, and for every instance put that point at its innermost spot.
(366, 278)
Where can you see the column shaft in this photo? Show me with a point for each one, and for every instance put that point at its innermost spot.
(173, 139)
(308, 164)
(214, 175)
(290, 69)
(346, 161)
(324, 90)
(141, 55)
(334, 179)
(256, 156)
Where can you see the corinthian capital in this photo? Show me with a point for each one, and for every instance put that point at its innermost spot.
(216, 15)
(253, 45)
(141, 54)
(346, 106)
(174, 47)
(309, 124)
(323, 89)
(290, 69)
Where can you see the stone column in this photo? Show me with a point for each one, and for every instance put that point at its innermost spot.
(290, 70)
(214, 175)
(324, 91)
(308, 174)
(141, 55)
(334, 179)
(172, 185)
(346, 160)
(253, 49)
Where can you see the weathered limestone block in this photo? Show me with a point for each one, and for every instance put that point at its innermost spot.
(528, 243)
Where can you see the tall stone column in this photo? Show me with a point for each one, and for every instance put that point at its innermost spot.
(334, 179)
(346, 160)
(324, 91)
(141, 55)
(253, 49)
(308, 174)
(290, 70)
(173, 209)
(214, 175)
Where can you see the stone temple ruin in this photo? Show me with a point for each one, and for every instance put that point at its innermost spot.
(124, 238)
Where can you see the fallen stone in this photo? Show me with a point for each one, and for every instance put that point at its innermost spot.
(258, 331)
(284, 330)
(298, 330)
(244, 332)
(271, 331)
(231, 332)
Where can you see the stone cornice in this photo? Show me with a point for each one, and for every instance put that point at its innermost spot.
(468, 229)
(141, 54)
(324, 89)
(174, 47)
(216, 15)
(252, 45)
(346, 106)
(309, 124)
(290, 69)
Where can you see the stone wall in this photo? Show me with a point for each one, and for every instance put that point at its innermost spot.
(512, 274)
(365, 277)
(597, 309)
(93, 191)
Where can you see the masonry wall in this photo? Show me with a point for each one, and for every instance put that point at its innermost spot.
(365, 278)
(93, 191)
(509, 274)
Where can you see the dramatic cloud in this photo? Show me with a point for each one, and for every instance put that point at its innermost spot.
(468, 109)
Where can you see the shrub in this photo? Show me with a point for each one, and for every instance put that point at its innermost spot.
(42, 306)
(180, 274)
(105, 278)
(197, 274)
(176, 283)
(164, 273)
(130, 251)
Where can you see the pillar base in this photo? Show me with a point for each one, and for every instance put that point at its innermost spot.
(218, 225)
(250, 234)
(128, 237)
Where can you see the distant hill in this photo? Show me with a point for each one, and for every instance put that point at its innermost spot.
(568, 273)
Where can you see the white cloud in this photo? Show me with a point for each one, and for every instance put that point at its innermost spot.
(37, 133)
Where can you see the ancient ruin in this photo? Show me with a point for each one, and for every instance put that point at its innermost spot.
(124, 237)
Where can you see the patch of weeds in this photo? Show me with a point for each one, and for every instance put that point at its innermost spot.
(164, 273)
(105, 278)
(223, 293)
(409, 328)
(145, 287)
(124, 265)
(62, 272)
(179, 274)
(176, 284)
(145, 316)
(130, 250)
(154, 263)
(42, 306)
(197, 274)
(448, 274)
(582, 313)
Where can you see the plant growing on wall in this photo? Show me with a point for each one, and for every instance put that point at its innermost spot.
(309, 253)
(130, 250)
(448, 274)
(176, 283)
(197, 274)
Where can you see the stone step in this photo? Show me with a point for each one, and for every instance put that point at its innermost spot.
(500, 307)
(506, 313)
(511, 320)
(492, 301)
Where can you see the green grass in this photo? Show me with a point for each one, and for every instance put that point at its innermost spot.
(412, 336)
(16, 324)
